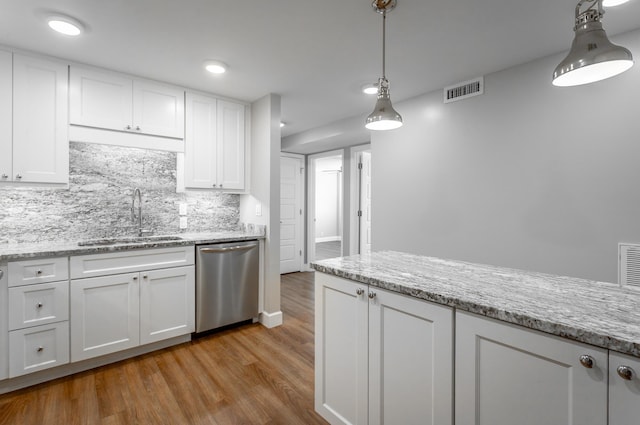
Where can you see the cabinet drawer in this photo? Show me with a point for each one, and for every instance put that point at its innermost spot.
(42, 270)
(34, 305)
(38, 348)
(130, 261)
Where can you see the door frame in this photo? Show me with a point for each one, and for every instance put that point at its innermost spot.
(354, 201)
(311, 202)
(301, 196)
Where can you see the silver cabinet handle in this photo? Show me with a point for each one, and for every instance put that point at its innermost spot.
(220, 185)
(135, 278)
(587, 361)
(38, 272)
(39, 305)
(128, 127)
(4, 176)
(40, 349)
(227, 249)
(137, 128)
(144, 276)
(625, 372)
(215, 185)
(18, 176)
(372, 295)
(359, 291)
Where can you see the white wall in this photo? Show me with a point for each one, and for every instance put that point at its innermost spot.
(265, 190)
(527, 175)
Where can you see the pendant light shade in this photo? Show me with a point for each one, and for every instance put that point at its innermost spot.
(592, 56)
(383, 117)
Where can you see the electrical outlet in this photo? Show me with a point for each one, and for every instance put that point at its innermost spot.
(183, 208)
(258, 209)
(183, 222)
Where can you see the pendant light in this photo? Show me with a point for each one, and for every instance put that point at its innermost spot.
(383, 117)
(592, 56)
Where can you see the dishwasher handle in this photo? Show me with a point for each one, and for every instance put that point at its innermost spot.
(227, 249)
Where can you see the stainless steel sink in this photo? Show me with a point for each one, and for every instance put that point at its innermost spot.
(128, 239)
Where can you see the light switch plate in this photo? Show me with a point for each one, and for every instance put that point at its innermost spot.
(183, 222)
(183, 208)
(258, 209)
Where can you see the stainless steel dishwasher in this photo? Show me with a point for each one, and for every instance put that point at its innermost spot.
(226, 284)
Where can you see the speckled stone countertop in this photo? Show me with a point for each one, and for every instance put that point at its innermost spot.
(597, 313)
(22, 251)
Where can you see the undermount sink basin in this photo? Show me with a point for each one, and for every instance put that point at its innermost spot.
(128, 239)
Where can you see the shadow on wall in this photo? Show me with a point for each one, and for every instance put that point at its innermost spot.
(97, 203)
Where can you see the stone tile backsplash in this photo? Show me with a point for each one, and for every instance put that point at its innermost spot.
(97, 203)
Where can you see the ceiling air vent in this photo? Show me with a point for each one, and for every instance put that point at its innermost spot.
(629, 265)
(464, 90)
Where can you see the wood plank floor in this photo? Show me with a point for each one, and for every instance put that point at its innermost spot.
(246, 375)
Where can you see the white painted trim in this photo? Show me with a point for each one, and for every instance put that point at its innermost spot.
(329, 239)
(71, 368)
(271, 320)
(123, 138)
(354, 201)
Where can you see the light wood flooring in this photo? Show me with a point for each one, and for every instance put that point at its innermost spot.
(246, 375)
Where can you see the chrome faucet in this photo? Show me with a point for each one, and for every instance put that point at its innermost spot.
(137, 194)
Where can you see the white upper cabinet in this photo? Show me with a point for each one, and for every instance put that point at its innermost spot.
(6, 115)
(214, 144)
(103, 99)
(34, 129)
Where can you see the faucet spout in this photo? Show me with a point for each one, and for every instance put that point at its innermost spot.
(137, 194)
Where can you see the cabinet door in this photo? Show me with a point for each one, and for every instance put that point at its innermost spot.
(158, 109)
(200, 150)
(100, 99)
(410, 360)
(38, 348)
(104, 315)
(6, 116)
(40, 117)
(4, 326)
(167, 303)
(231, 145)
(33, 305)
(341, 311)
(624, 389)
(506, 374)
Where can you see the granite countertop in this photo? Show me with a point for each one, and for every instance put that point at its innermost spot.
(597, 313)
(22, 251)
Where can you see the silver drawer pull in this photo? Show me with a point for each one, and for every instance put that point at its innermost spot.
(38, 272)
(587, 361)
(39, 305)
(372, 295)
(40, 349)
(625, 372)
(359, 291)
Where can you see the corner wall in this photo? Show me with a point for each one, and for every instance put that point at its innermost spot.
(527, 176)
(265, 197)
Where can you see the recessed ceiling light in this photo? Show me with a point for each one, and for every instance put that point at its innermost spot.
(609, 3)
(282, 124)
(65, 25)
(215, 67)
(370, 89)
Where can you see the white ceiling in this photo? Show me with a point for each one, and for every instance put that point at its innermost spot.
(315, 54)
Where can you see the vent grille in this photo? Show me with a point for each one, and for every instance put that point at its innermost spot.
(629, 265)
(464, 90)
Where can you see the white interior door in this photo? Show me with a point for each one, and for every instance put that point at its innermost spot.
(365, 203)
(291, 175)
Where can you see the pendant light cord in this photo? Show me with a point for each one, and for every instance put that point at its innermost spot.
(384, 25)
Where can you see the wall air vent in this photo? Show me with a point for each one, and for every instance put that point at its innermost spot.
(629, 265)
(464, 90)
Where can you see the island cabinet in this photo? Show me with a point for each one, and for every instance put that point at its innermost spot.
(507, 374)
(112, 101)
(215, 144)
(124, 299)
(624, 389)
(381, 357)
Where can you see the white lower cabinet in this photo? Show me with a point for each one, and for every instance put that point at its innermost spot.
(4, 325)
(624, 389)
(381, 357)
(167, 300)
(508, 375)
(104, 315)
(37, 348)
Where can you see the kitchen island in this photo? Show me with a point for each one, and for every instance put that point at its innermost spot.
(495, 345)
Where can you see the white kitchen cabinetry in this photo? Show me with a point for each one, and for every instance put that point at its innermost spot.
(118, 102)
(4, 327)
(508, 375)
(38, 314)
(381, 357)
(124, 299)
(6, 116)
(624, 389)
(38, 149)
(214, 144)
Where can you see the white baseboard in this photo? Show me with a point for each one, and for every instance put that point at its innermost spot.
(271, 320)
(328, 239)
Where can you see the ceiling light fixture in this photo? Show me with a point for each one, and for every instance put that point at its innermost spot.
(65, 25)
(611, 3)
(592, 56)
(282, 124)
(383, 117)
(215, 67)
